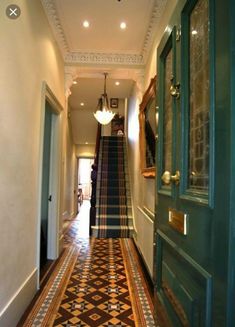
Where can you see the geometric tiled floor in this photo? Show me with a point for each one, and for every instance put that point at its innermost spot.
(96, 283)
(97, 292)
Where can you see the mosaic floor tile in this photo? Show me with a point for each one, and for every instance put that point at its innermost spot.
(97, 276)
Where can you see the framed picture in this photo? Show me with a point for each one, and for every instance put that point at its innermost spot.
(114, 102)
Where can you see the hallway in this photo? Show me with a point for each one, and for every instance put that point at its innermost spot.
(170, 71)
(96, 282)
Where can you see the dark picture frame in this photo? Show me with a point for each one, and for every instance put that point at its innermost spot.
(114, 102)
(148, 98)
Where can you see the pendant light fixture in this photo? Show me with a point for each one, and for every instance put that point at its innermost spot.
(103, 114)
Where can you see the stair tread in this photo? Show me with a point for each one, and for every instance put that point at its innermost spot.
(114, 216)
(113, 206)
(112, 227)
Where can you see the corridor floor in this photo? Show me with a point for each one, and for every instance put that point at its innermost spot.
(96, 282)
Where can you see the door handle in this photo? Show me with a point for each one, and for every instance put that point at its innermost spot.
(167, 178)
(174, 89)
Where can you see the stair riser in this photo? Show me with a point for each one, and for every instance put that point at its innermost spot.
(114, 234)
(115, 222)
(113, 201)
(113, 175)
(114, 192)
(112, 211)
(114, 186)
(116, 209)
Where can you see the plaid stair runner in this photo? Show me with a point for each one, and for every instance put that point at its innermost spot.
(113, 209)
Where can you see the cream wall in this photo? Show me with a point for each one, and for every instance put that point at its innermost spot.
(143, 190)
(28, 57)
(69, 168)
(85, 151)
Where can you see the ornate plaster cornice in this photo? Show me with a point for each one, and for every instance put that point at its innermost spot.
(53, 18)
(104, 58)
(157, 11)
(70, 75)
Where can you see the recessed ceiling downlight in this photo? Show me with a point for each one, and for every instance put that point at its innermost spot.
(86, 24)
(123, 25)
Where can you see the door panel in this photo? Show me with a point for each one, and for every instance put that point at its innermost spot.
(45, 185)
(197, 102)
(185, 286)
(185, 162)
(198, 94)
(167, 115)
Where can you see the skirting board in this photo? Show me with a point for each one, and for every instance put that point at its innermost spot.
(17, 305)
(143, 259)
(144, 238)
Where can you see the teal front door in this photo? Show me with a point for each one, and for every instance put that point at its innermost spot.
(192, 262)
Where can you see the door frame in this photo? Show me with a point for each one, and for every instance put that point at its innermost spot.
(55, 175)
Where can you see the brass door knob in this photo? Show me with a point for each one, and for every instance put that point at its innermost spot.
(174, 89)
(167, 178)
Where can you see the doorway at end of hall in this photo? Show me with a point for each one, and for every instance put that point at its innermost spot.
(84, 179)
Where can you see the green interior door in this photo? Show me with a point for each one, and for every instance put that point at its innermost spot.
(185, 166)
(45, 196)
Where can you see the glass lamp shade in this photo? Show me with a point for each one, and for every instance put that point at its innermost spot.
(104, 116)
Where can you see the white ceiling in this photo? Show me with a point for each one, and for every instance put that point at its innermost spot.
(81, 92)
(103, 47)
(105, 16)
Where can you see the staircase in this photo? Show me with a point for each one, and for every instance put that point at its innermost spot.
(113, 203)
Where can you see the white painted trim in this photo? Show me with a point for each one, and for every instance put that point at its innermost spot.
(129, 169)
(53, 216)
(53, 227)
(150, 272)
(14, 309)
(145, 214)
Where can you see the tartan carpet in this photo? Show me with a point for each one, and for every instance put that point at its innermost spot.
(112, 212)
(98, 282)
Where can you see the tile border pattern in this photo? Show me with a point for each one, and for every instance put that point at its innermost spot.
(143, 307)
(49, 300)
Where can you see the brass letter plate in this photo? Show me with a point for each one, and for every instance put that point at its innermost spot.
(178, 221)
